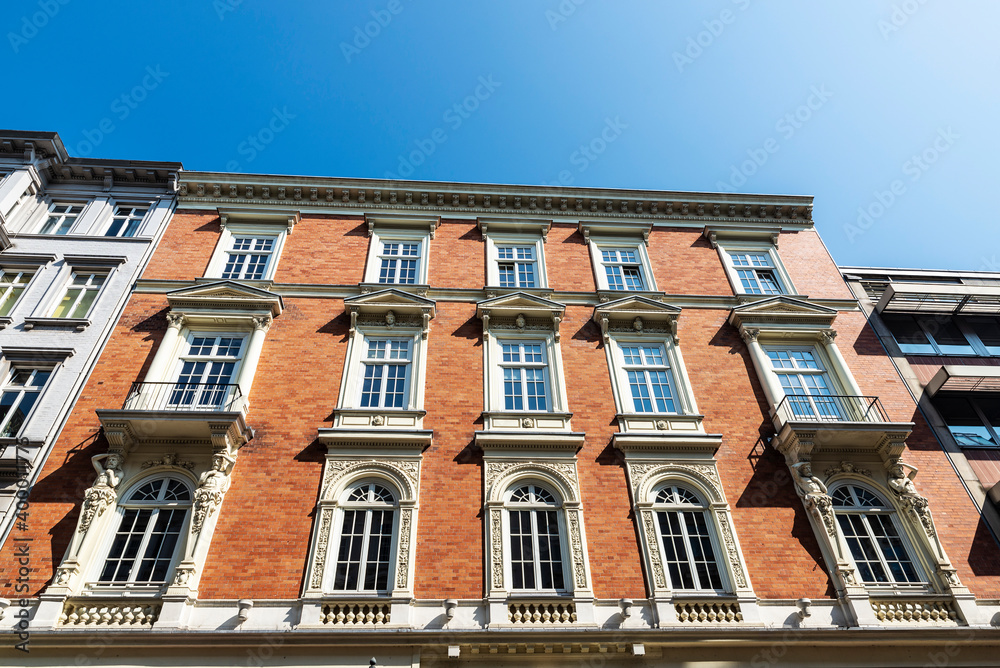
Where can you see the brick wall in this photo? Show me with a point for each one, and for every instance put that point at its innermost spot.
(260, 546)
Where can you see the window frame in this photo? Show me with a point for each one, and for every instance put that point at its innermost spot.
(367, 361)
(680, 385)
(889, 509)
(352, 382)
(980, 413)
(704, 507)
(183, 355)
(602, 243)
(13, 368)
(103, 551)
(149, 206)
(826, 367)
(379, 237)
(5, 292)
(227, 239)
(975, 346)
(343, 506)
(69, 202)
(107, 272)
(496, 240)
(727, 248)
(534, 508)
(494, 370)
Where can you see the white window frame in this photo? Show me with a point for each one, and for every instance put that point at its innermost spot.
(7, 287)
(103, 550)
(403, 236)
(68, 285)
(385, 361)
(494, 365)
(705, 509)
(559, 510)
(353, 376)
(757, 247)
(914, 555)
(496, 240)
(22, 390)
(63, 203)
(344, 505)
(149, 206)
(684, 401)
(826, 368)
(224, 247)
(597, 244)
(183, 354)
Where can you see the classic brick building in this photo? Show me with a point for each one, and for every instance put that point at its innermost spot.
(455, 423)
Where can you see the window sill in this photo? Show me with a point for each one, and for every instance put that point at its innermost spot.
(5, 322)
(378, 418)
(526, 421)
(79, 324)
(77, 237)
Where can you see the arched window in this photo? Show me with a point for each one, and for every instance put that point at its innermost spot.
(686, 538)
(878, 549)
(536, 554)
(364, 555)
(152, 519)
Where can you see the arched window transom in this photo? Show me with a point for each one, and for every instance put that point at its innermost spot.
(878, 550)
(536, 561)
(364, 555)
(144, 547)
(687, 539)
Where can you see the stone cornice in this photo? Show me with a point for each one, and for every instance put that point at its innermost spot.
(210, 190)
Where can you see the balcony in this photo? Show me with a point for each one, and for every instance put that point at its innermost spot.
(837, 424)
(179, 414)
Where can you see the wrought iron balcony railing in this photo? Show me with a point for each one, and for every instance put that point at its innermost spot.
(208, 397)
(830, 408)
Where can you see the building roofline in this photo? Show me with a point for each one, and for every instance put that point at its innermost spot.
(957, 273)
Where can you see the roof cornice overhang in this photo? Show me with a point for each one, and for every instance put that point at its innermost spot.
(209, 190)
(46, 151)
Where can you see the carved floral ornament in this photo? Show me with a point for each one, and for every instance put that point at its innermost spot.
(500, 475)
(404, 474)
(644, 476)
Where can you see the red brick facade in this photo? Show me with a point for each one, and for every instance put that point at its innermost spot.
(261, 543)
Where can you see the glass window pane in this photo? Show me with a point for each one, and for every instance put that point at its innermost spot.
(964, 422)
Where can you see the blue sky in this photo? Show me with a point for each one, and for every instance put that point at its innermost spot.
(885, 111)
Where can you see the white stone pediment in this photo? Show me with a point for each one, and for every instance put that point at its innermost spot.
(635, 313)
(225, 295)
(519, 302)
(389, 299)
(782, 310)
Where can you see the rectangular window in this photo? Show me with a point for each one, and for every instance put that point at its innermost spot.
(61, 218)
(525, 376)
(12, 285)
(249, 257)
(935, 335)
(987, 330)
(648, 374)
(622, 268)
(207, 371)
(975, 423)
(126, 221)
(80, 294)
(18, 397)
(808, 392)
(400, 262)
(756, 273)
(516, 266)
(386, 366)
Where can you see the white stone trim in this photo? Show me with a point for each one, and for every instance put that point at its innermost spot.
(381, 233)
(596, 242)
(724, 248)
(257, 229)
(504, 236)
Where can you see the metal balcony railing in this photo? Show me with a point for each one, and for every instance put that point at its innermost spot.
(206, 397)
(830, 408)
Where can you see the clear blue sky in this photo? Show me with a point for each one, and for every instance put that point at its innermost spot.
(831, 99)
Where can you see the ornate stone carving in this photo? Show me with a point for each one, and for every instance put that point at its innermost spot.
(175, 320)
(102, 494)
(821, 505)
(640, 473)
(652, 540)
(496, 470)
(749, 333)
(847, 467)
(262, 322)
(64, 574)
(212, 488)
(637, 324)
(403, 553)
(338, 468)
(322, 542)
(496, 541)
(576, 545)
(916, 505)
(378, 421)
(170, 459)
(733, 554)
(527, 423)
(183, 575)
